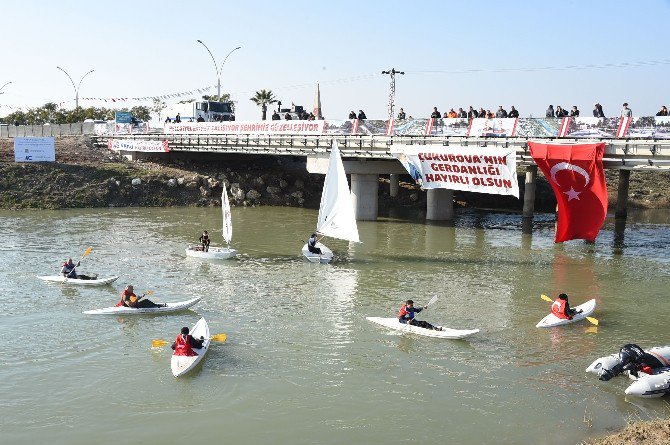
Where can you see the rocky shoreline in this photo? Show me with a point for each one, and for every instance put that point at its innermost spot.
(88, 176)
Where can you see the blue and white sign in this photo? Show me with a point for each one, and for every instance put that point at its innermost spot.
(123, 117)
(34, 150)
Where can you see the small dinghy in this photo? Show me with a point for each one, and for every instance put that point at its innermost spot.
(404, 328)
(123, 310)
(84, 280)
(217, 253)
(181, 364)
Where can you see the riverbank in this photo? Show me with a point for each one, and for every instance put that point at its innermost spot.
(655, 432)
(86, 176)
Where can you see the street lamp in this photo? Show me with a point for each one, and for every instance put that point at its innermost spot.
(2, 87)
(218, 68)
(76, 88)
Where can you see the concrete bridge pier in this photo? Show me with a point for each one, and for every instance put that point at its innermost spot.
(622, 195)
(394, 184)
(440, 205)
(364, 189)
(529, 199)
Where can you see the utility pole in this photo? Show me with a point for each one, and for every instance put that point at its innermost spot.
(392, 73)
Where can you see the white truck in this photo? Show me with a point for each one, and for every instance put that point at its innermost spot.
(205, 110)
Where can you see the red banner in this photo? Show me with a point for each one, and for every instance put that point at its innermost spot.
(576, 174)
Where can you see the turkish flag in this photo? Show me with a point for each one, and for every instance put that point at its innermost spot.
(576, 174)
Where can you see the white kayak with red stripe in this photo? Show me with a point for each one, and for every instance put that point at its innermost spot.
(181, 364)
(404, 328)
(551, 320)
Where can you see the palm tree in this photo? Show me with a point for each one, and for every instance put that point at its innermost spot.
(263, 98)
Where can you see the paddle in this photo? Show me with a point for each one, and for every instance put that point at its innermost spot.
(590, 319)
(216, 337)
(77, 263)
(430, 302)
(149, 292)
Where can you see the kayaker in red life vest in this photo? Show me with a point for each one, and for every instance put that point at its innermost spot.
(406, 316)
(184, 343)
(129, 299)
(561, 308)
(204, 240)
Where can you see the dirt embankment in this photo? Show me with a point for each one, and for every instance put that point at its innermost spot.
(656, 432)
(86, 176)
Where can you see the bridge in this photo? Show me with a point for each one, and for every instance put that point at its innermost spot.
(368, 153)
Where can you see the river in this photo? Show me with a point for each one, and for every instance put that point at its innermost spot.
(301, 364)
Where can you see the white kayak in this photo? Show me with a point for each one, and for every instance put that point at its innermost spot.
(213, 253)
(656, 384)
(325, 257)
(551, 320)
(123, 310)
(77, 281)
(181, 364)
(404, 328)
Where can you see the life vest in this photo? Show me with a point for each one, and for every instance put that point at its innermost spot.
(204, 238)
(558, 309)
(183, 346)
(123, 295)
(312, 241)
(403, 311)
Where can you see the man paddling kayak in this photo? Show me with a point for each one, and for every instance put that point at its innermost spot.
(184, 343)
(406, 316)
(68, 268)
(561, 308)
(129, 299)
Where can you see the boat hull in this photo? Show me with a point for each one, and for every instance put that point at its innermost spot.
(122, 310)
(77, 282)
(214, 253)
(404, 328)
(551, 320)
(325, 257)
(181, 364)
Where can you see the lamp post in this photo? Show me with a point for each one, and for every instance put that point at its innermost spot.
(2, 87)
(218, 68)
(76, 88)
(392, 73)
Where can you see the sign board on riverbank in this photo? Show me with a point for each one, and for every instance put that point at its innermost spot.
(34, 150)
(137, 145)
(248, 127)
(489, 170)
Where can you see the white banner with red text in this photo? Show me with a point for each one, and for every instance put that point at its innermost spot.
(137, 145)
(455, 167)
(248, 127)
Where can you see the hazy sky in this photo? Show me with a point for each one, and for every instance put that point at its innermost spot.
(480, 53)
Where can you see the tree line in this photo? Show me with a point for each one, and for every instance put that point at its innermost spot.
(51, 113)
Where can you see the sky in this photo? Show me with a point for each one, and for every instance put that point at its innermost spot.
(454, 54)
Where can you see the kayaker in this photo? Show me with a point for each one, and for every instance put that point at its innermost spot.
(184, 343)
(406, 316)
(561, 308)
(129, 299)
(204, 240)
(311, 244)
(68, 268)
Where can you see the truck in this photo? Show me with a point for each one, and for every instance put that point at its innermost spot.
(208, 110)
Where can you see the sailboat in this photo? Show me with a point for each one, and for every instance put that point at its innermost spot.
(218, 253)
(337, 218)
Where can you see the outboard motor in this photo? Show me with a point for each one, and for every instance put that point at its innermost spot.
(630, 359)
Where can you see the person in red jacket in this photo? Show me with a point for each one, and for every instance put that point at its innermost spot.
(129, 299)
(561, 308)
(184, 343)
(406, 315)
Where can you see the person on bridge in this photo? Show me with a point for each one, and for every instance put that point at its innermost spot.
(200, 119)
(67, 268)
(561, 308)
(311, 245)
(177, 119)
(625, 111)
(598, 111)
(662, 112)
(550, 112)
(435, 114)
(204, 241)
(352, 115)
(574, 112)
(513, 113)
(185, 343)
(406, 316)
(361, 115)
(401, 115)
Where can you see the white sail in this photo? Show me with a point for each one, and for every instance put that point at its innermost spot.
(336, 213)
(227, 217)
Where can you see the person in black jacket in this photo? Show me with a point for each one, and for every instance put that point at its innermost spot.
(662, 112)
(472, 113)
(513, 112)
(361, 115)
(574, 112)
(352, 115)
(598, 111)
(435, 114)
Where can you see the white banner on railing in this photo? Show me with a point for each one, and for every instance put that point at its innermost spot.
(493, 128)
(472, 169)
(137, 145)
(248, 127)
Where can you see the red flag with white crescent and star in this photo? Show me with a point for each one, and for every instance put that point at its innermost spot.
(575, 172)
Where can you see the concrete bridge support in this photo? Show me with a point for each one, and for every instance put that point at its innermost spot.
(440, 205)
(364, 189)
(529, 199)
(394, 184)
(622, 195)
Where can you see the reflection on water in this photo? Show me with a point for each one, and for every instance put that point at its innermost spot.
(299, 349)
